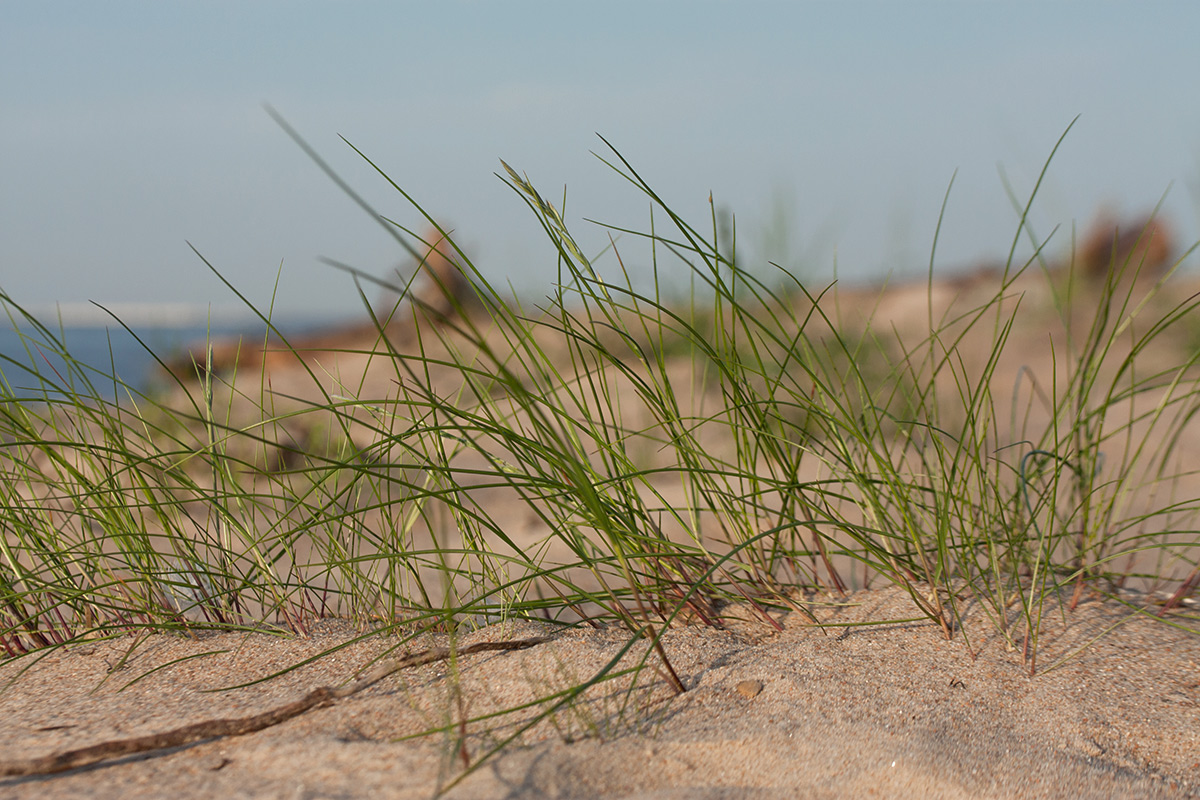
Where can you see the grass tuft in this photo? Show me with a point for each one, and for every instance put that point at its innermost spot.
(616, 456)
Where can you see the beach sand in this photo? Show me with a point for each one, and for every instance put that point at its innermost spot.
(843, 711)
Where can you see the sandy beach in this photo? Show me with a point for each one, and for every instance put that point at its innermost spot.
(826, 702)
(841, 711)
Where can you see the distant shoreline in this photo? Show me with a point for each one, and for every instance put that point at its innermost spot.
(161, 315)
(100, 342)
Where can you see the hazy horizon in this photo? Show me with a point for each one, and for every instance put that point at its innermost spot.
(133, 128)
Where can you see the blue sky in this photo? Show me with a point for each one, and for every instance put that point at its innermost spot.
(130, 128)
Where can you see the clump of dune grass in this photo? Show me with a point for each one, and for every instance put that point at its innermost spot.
(749, 451)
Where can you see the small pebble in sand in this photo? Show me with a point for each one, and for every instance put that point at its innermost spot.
(749, 689)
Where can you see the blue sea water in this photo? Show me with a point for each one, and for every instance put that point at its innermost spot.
(30, 359)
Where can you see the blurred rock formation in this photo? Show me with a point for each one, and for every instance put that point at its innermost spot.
(440, 288)
(1142, 246)
(438, 292)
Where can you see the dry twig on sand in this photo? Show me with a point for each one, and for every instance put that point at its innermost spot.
(217, 728)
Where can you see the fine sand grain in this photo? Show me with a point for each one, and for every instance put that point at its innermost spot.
(844, 711)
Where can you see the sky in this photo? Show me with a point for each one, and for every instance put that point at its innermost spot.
(830, 131)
